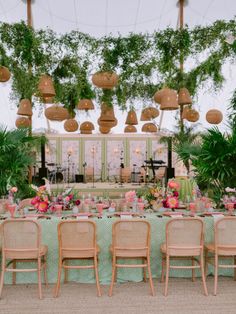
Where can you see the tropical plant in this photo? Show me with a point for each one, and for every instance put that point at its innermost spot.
(215, 162)
(185, 142)
(15, 159)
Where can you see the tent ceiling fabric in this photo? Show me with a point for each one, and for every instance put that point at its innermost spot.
(104, 17)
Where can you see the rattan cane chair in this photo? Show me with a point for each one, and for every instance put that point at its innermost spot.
(224, 247)
(131, 240)
(184, 240)
(77, 240)
(21, 242)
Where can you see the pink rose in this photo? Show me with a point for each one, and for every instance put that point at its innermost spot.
(14, 189)
(67, 199)
(34, 200)
(173, 185)
(70, 196)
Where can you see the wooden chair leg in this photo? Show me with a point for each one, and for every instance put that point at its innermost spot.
(167, 274)
(113, 275)
(58, 279)
(39, 278)
(193, 270)
(163, 268)
(206, 264)
(14, 273)
(65, 273)
(144, 271)
(96, 275)
(234, 268)
(215, 274)
(203, 275)
(150, 275)
(2, 276)
(45, 271)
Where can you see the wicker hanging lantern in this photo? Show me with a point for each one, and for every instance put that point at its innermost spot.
(71, 125)
(107, 113)
(23, 122)
(104, 129)
(86, 127)
(169, 100)
(85, 104)
(192, 115)
(158, 95)
(56, 113)
(25, 108)
(105, 80)
(107, 124)
(131, 118)
(4, 74)
(184, 97)
(48, 100)
(214, 116)
(46, 87)
(130, 129)
(185, 112)
(149, 128)
(149, 114)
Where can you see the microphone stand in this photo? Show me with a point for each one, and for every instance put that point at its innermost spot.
(121, 167)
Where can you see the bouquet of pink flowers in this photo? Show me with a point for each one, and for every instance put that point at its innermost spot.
(130, 196)
(171, 199)
(42, 199)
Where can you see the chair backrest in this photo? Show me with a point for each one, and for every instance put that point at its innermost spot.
(184, 236)
(78, 235)
(21, 238)
(25, 202)
(225, 234)
(131, 234)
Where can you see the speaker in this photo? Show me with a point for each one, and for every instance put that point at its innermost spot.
(79, 178)
(170, 173)
(43, 173)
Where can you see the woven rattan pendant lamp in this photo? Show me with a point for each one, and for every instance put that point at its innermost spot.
(169, 100)
(105, 80)
(56, 113)
(214, 116)
(46, 87)
(23, 122)
(85, 104)
(25, 108)
(184, 97)
(131, 118)
(130, 129)
(86, 127)
(71, 125)
(149, 128)
(4, 74)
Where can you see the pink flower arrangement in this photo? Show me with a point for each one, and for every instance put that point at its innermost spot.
(172, 202)
(130, 196)
(173, 185)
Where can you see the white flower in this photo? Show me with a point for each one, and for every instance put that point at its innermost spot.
(230, 190)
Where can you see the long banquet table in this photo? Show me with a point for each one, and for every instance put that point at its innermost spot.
(104, 236)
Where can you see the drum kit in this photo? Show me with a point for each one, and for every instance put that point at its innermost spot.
(57, 173)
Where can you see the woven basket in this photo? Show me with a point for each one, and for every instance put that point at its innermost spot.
(4, 74)
(25, 108)
(71, 125)
(130, 129)
(86, 127)
(48, 100)
(107, 124)
(131, 118)
(105, 80)
(149, 128)
(22, 122)
(149, 114)
(85, 104)
(56, 113)
(104, 130)
(184, 97)
(192, 115)
(159, 93)
(107, 113)
(45, 86)
(214, 116)
(185, 112)
(169, 100)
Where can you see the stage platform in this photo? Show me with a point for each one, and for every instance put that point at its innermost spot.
(100, 189)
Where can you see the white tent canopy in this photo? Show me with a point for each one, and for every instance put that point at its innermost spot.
(103, 17)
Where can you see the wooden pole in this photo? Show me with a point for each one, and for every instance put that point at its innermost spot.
(181, 25)
(29, 24)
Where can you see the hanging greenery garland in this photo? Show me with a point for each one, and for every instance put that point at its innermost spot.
(144, 62)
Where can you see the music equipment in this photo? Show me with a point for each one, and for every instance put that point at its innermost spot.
(43, 171)
(79, 178)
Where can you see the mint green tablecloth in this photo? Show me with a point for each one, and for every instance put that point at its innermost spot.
(104, 228)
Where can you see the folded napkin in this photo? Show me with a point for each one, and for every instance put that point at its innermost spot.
(125, 216)
(84, 217)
